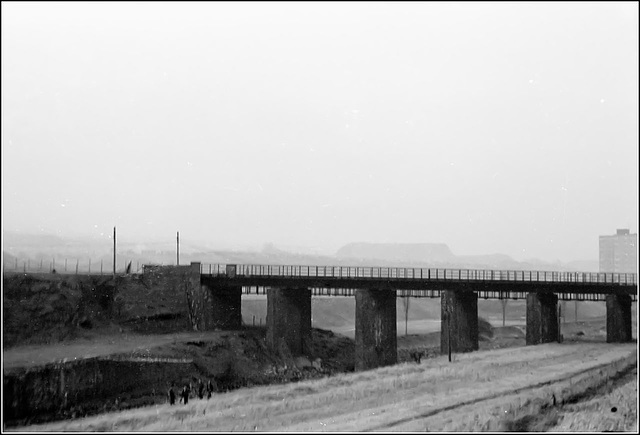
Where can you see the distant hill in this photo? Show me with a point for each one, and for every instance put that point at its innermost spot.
(493, 261)
(583, 266)
(44, 250)
(439, 255)
(12, 239)
(398, 252)
(421, 254)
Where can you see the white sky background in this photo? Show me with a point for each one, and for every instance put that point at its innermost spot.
(509, 128)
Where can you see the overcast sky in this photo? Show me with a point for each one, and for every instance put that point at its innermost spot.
(492, 127)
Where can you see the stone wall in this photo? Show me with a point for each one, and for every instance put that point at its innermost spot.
(179, 287)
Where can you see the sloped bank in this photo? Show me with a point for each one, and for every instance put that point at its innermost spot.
(237, 359)
(86, 386)
(51, 307)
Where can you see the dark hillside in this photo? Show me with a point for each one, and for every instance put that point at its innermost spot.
(53, 307)
(47, 308)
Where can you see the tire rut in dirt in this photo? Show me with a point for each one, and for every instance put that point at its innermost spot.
(550, 416)
(489, 397)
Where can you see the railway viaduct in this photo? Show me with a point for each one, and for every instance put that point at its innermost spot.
(214, 294)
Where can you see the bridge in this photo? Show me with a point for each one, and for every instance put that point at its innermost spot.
(424, 282)
(214, 298)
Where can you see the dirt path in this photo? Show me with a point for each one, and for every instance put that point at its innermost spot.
(470, 393)
(100, 345)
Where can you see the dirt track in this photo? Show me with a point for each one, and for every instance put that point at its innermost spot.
(110, 342)
(468, 394)
(28, 356)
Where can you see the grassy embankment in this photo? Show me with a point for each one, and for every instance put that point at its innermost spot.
(614, 411)
(478, 391)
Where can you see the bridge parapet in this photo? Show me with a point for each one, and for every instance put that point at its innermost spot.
(429, 274)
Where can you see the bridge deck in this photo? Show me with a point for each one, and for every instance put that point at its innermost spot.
(423, 282)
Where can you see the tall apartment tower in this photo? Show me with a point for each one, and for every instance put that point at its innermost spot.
(618, 253)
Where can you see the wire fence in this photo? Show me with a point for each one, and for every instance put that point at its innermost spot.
(75, 266)
(135, 266)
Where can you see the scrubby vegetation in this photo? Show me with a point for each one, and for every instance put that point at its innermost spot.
(53, 308)
(478, 391)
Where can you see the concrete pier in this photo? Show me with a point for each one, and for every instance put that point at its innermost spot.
(289, 319)
(226, 308)
(460, 308)
(376, 329)
(542, 318)
(619, 319)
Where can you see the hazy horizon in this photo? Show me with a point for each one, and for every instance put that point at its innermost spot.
(168, 244)
(498, 127)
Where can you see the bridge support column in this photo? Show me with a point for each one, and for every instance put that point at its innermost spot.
(376, 329)
(226, 307)
(618, 318)
(289, 319)
(459, 312)
(542, 318)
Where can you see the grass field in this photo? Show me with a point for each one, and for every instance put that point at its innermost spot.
(485, 390)
(614, 411)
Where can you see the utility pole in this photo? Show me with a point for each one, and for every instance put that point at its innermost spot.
(405, 302)
(114, 255)
(178, 248)
(504, 310)
(559, 321)
(449, 334)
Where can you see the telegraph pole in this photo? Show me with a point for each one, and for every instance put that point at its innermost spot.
(178, 248)
(504, 310)
(114, 255)
(449, 333)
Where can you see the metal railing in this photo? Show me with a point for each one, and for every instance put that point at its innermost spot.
(432, 293)
(432, 274)
(72, 266)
